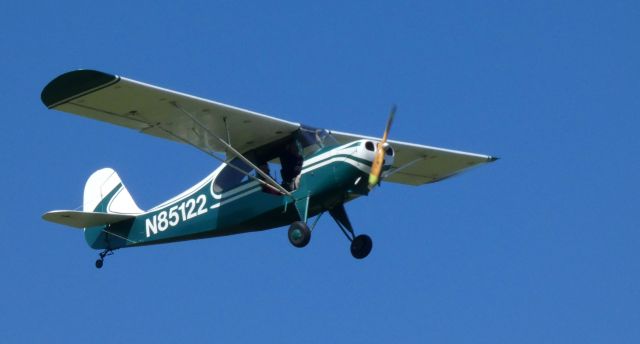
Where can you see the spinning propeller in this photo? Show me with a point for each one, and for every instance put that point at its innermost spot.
(378, 161)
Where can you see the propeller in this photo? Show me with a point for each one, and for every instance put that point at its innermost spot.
(378, 161)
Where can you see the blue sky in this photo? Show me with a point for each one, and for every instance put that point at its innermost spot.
(541, 246)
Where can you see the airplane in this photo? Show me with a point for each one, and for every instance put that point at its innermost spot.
(320, 169)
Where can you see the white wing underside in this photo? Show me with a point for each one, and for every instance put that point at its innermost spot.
(161, 112)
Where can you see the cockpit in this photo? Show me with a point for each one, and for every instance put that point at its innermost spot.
(281, 160)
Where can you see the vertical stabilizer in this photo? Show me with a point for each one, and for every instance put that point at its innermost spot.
(104, 192)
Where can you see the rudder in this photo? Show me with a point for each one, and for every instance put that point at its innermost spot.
(104, 192)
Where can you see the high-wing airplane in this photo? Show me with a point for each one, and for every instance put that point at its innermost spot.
(319, 170)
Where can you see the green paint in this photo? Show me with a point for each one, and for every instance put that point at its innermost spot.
(72, 85)
(102, 206)
(356, 159)
(238, 212)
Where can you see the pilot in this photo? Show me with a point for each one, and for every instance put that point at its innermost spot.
(291, 161)
(264, 167)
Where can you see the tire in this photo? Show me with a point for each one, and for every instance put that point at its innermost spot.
(299, 234)
(361, 246)
(99, 263)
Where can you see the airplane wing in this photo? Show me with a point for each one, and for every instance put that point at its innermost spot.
(161, 112)
(417, 164)
(172, 115)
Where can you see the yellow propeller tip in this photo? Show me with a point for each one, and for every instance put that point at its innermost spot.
(373, 179)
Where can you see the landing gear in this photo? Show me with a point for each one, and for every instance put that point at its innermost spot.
(361, 245)
(299, 234)
(100, 261)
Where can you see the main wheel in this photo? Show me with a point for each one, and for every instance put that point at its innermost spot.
(299, 234)
(99, 263)
(361, 246)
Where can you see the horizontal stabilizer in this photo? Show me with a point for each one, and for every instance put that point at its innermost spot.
(82, 219)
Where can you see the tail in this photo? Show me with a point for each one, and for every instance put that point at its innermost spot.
(104, 192)
(107, 204)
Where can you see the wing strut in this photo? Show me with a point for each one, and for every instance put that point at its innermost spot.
(226, 127)
(217, 158)
(268, 180)
(400, 168)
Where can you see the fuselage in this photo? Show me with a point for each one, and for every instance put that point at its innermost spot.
(224, 204)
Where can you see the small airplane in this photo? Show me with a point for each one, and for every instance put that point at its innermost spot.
(320, 170)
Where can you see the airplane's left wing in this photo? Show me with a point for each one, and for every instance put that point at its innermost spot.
(161, 112)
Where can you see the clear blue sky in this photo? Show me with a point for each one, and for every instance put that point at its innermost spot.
(540, 247)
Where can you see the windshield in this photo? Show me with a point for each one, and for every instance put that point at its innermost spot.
(313, 139)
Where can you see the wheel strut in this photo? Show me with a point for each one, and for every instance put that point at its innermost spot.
(361, 245)
(339, 214)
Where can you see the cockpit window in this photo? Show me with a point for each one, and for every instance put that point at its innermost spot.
(313, 139)
(231, 177)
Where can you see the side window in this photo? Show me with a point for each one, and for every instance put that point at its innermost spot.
(231, 177)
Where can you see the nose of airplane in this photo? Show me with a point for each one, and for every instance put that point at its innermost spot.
(370, 149)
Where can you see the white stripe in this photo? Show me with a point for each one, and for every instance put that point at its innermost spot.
(338, 150)
(329, 155)
(233, 191)
(225, 201)
(114, 197)
(189, 192)
(238, 194)
(362, 167)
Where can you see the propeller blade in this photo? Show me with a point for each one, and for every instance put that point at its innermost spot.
(378, 161)
(392, 114)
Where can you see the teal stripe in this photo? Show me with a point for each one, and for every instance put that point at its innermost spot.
(102, 206)
(362, 161)
(327, 149)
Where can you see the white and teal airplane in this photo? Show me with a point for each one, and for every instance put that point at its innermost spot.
(320, 170)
